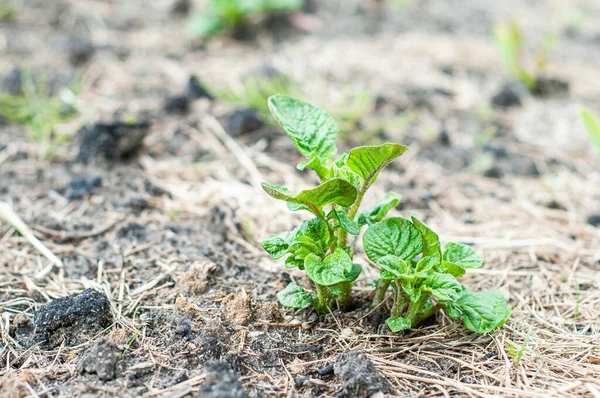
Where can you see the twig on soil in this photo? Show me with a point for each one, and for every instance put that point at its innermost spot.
(65, 236)
(10, 217)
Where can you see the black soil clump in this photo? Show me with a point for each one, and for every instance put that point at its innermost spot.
(509, 95)
(548, 86)
(80, 186)
(359, 376)
(197, 90)
(221, 382)
(112, 141)
(72, 319)
(100, 359)
(179, 104)
(243, 121)
(594, 220)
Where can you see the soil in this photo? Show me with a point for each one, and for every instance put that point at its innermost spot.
(155, 211)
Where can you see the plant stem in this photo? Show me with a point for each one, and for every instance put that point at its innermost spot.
(400, 303)
(380, 291)
(415, 308)
(325, 298)
(344, 299)
(343, 238)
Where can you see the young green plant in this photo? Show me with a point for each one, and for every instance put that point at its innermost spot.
(509, 41)
(324, 246)
(223, 15)
(423, 275)
(592, 126)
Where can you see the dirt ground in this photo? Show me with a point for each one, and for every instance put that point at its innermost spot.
(181, 298)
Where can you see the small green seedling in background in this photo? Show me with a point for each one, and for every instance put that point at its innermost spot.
(8, 12)
(38, 110)
(509, 41)
(592, 126)
(223, 15)
(409, 254)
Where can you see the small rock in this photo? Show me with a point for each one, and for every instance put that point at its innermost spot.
(548, 86)
(494, 172)
(181, 7)
(137, 203)
(509, 95)
(113, 141)
(179, 104)
(242, 121)
(236, 310)
(100, 359)
(196, 90)
(594, 220)
(359, 376)
(184, 327)
(299, 381)
(221, 382)
(72, 318)
(80, 186)
(444, 138)
(80, 50)
(326, 370)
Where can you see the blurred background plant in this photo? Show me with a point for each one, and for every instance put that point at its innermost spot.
(219, 16)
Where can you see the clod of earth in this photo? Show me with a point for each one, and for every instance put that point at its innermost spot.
(221, 382)
(594, 220)
(509, 95)
(101, 359)
(243, 121)
(80, 186)
(113, 141)
(72, 319)
(236, 310)
(358, 375)
(179, 104)
(184, 327)
(80, 49)
(196, 90)
(547, 86)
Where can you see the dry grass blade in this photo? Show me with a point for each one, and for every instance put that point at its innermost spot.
(10, 217)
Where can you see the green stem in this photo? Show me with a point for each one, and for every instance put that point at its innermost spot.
(380, 291)
(324, 297)
(343, 238)
(400, 303)
(425, 314)
(415, 308)
(344, 299)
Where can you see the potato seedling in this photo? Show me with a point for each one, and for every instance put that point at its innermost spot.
(222, 15)
(408, 253)
(509, 41)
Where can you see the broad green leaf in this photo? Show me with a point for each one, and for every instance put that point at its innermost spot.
(453, 269)
(368, 161)
(312, 129)
(483, 312)
(329, 271)
(393, 267)
(354, 272)
(277, 245)
(427, 263)
(331, 191)
(452, 310)
(431, 240)
(398, 324)
(443, 286)
(317, 165)
(346, 173)
(396, 236)
(462, 255)
(347, 224)
(379, 210)
(294, 296)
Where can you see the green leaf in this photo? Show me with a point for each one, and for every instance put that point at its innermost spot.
(427, 263)
(294, 296)
(205, 24)
(379, 210)
(346, 173)
(311, 237)
(431, 240)
(354, 272)
(347, 224)
(396, 236)
(462, 255)
(312, 129)
(411, 289)
(331, 191)
(443, 286)
(393, 267)
(453, 269)
(398, 324)
(368, 161)
(329, 271)
(484, 311)
(315, 163)
(592, 126)
(277, 245)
